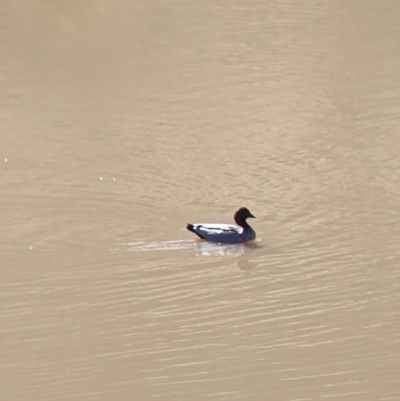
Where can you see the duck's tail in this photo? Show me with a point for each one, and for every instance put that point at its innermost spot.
(190, 227)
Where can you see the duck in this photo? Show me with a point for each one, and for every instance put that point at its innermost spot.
(226, 233)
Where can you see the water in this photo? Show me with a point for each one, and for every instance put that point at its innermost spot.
(121, 122)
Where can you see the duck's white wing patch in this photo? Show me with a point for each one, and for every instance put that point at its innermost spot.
(217, 228)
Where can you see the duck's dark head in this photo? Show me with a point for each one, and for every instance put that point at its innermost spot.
(241, 215)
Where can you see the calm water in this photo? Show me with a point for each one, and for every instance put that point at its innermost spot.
(121, 121)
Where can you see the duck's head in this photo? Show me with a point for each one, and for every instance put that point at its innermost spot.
(241, 215)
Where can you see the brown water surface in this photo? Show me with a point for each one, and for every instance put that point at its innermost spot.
(120, 121)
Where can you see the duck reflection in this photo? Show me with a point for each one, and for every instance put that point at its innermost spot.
(240, 251)
(203, 248)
